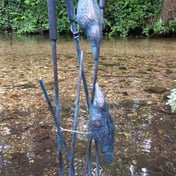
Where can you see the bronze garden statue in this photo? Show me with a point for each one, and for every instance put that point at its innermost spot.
(100, 126)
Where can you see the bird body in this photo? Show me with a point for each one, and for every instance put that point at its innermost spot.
(101, 126)
(88, 13)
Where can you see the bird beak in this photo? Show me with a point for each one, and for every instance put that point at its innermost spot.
(99, 99)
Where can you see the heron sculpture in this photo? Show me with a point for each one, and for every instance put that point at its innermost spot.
(90, 19)
(100, 126)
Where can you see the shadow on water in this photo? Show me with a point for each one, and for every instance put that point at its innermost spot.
(136, 76)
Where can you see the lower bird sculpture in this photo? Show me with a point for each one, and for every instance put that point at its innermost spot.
(101, 126)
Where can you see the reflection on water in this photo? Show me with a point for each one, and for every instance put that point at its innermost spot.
(4, 148)
(3, 161)
(136, 105)
(144, 172)
(134, 74)
(146, 145)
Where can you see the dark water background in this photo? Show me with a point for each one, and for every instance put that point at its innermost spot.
(136, 75)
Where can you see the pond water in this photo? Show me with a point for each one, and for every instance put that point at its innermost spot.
(136, 76)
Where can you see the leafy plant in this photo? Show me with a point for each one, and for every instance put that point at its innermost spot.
(172, 100)
(122, 18)
(132, 16)
(159, 28)
(172, 25)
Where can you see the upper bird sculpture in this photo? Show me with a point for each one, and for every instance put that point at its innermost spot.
(90, 19)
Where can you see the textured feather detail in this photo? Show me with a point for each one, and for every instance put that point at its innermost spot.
(88, 13)
(101, 126)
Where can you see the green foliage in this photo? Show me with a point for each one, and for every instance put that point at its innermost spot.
(172, 25)
(160, 29)
(172, 100)
(24, 16)
(30, 16)
(4, 12)
(63, 21)
(122, 17)
(131, 15)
